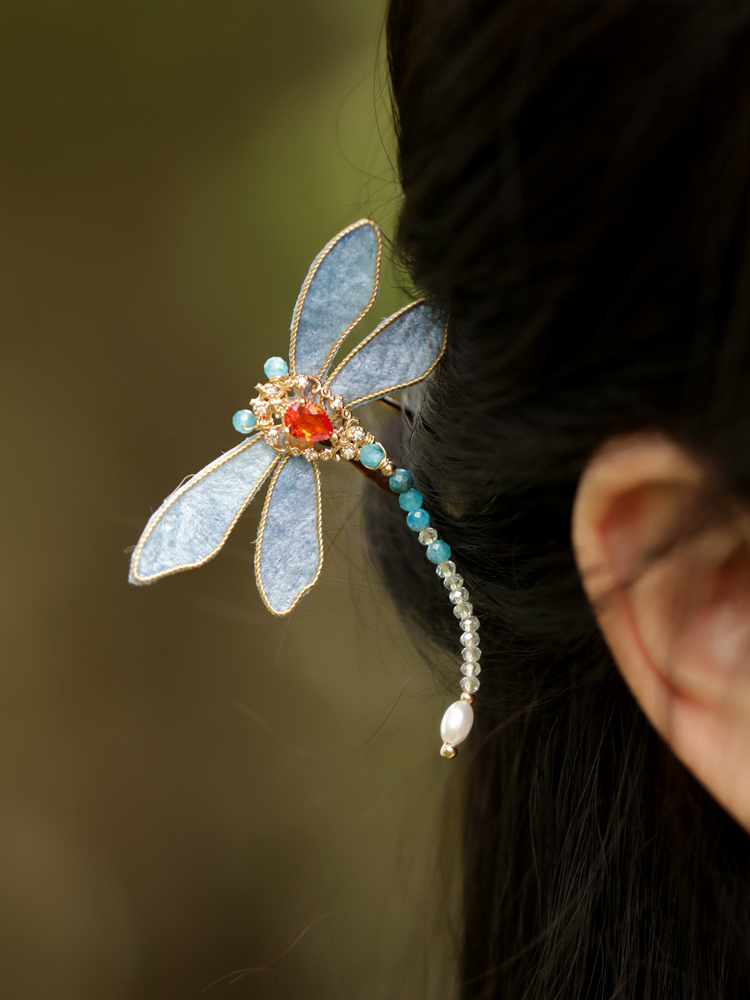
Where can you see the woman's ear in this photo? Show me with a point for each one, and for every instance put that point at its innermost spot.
(669, 582)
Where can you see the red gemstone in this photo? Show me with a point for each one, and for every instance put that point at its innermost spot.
(308, 422)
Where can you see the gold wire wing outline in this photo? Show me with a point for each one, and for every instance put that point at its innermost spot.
(309, 279)
(394, 388)
(180, 491)
(261, 529)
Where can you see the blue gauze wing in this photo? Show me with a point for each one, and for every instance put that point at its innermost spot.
(194, 522)
(340, 287)
(401, 351)
(289, 552)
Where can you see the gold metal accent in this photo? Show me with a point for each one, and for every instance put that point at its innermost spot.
(180, 491)
(378, 329)
(274, 399)
(306, 286)
(261, 529)
(448, 750)
(469, 698)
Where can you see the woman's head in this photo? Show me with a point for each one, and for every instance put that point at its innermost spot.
(577, 194)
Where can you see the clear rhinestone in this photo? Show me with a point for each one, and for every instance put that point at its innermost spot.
(427, 536)
(459, 595)
(463, 610)
(348, 451)
(277, 439)
(470, 624)
(453, 581)
(469, 640)
(357, 434)
(472, 654)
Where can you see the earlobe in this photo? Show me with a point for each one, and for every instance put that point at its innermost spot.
(671, 592)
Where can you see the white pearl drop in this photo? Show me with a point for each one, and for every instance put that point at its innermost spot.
(457, 722)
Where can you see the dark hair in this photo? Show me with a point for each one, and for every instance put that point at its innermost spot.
(576, 180)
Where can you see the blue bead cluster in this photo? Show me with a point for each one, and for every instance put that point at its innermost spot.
(459, 717)
(417, 517)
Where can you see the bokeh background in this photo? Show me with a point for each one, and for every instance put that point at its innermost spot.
(188, 786)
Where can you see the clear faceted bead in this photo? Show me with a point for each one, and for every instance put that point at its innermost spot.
(447, 568)
(470, 624)
(459, 596)
(469, 684)
(470, 669)
(427, 536)
(472, 654)
(463, 610)
(453, 581)
(469, 640)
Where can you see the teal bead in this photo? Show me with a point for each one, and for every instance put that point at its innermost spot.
(276, 368)
(401, 481)
(244, 421)
(371, 455)
(411, 500)
(438, 552)
(418, 519)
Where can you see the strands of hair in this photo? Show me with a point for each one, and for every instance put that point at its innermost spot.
(576, 195)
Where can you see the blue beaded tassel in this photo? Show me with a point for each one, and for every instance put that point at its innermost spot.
(459, 716)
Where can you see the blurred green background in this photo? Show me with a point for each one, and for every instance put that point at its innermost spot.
(187, 784)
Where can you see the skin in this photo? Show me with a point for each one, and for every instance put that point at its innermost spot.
(671, 593)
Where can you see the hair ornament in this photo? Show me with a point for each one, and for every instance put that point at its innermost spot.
(303, 415)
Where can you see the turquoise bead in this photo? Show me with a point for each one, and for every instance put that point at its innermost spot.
(276, 368)
(401, 481)
(418, 519)
(438, 551)
(371, 455)
(411, 500)
(244, 421)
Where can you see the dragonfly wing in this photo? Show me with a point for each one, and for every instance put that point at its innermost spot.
(194, 522)
(340, 287)
(289, 553)
(401, 351)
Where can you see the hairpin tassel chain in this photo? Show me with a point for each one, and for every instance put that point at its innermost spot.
(459, 717)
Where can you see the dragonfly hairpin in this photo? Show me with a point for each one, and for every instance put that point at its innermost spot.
(302, 416)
